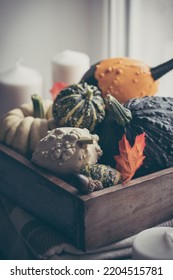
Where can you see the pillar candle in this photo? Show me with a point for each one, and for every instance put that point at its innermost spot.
(69, 66)
(17, 85)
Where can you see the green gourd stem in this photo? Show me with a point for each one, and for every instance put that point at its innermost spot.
(89, 93)
(121, 114)
(38, 110)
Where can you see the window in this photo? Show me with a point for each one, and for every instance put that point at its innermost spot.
(142, 29)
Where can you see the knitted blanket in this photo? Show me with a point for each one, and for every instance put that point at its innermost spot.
(23, 236)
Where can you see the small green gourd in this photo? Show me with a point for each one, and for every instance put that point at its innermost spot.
(79, 105)
(105, 174)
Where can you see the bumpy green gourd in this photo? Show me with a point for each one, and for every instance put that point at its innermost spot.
(152, 115)
(79, 105)
(105, 174)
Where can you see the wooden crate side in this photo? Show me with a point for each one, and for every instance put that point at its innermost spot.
(90, 220)
(126, 211)
(81, 226)
(11, 154)
(50, 200)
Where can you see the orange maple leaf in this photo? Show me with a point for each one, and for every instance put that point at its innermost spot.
(130, 158)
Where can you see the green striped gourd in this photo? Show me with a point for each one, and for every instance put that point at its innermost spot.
(105, 174)
(79, 105)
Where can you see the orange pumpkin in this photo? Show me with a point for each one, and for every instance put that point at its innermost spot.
(126, 78)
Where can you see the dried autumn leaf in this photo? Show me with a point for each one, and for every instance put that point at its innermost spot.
(57, 87)
(130, 158)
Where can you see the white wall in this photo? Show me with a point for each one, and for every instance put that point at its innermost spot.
(37, 29)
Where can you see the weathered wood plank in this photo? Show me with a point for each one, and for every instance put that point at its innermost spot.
(128, 210)
(43, 194)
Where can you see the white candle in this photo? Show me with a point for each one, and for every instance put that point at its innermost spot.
(17, 85)
(153, 244)
(69, 66)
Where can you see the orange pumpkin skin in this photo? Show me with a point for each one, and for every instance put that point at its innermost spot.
(123, 78)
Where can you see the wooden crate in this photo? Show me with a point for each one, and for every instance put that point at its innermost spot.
(90, 220)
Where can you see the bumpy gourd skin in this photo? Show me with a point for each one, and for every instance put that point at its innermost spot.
(64, 151)
(155, 117)
(122, 77)
(105, 174)
(152, 115)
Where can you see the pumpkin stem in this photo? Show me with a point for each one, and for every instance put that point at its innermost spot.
(89, 93)
(84, 141)
(121, 114)
(38, 110)
(160, 70)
